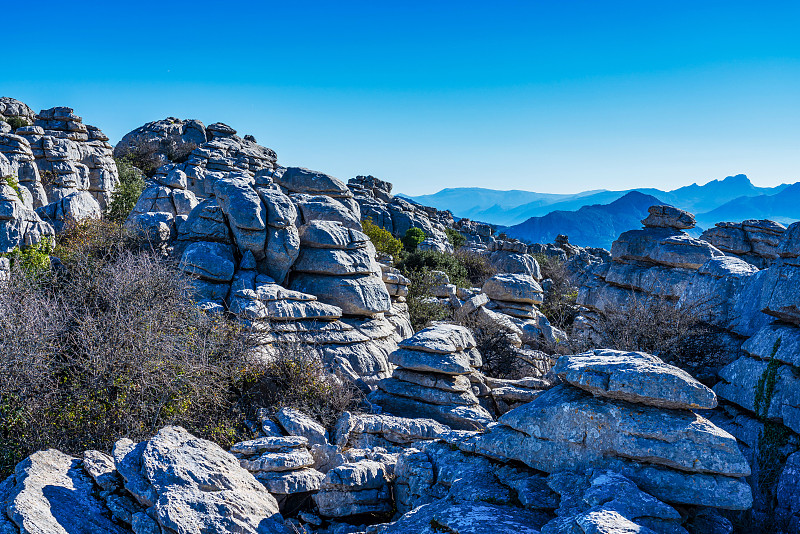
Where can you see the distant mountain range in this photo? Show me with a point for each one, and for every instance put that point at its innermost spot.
(596, 218)
(590, 226)
(507, 208)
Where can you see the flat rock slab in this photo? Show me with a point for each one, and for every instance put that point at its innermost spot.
(331, 235)
(53, 495)
(396, 429)
(355, 295)
(569, 426)
(269, 444)
(291, 482)
(430, 395)
(513, 288)
(634, 377)
(457, 363)
(441, 339)
(465, 518)
(458, 417)
(361, 475)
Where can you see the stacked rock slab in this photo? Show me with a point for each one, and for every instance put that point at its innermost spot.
(755, 241)
(663, 262)
(19, 162)
(338, 264)
(397, 286)
(630, 413)
(71, 156)
(355, 488)
(431, 378)
(283, 464)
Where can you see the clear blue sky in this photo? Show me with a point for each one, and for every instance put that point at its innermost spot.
(544, 96)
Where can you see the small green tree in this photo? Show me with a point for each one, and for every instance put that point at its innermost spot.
(455, 237)
(131, 185)
(383, 240)
(413, 237)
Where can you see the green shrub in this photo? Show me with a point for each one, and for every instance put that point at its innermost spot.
(423, 309)
(384, 241)
(17, 122)
(112, 346)
(31, 260)
(560, 300)
(296, 377)
(478, 267)
(455, 237)
(430, 260)
(131, 185)
(413, 237)
(14, 184)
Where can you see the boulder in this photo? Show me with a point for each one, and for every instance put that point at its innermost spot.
(668, 217)
(209, 261)
(634, 377)
(513, 288)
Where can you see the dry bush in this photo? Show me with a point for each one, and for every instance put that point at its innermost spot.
(112, 347)
(296, 377)
(422, 308)
(478, 267)
(654, 324)
(560, 298)
(495, 343)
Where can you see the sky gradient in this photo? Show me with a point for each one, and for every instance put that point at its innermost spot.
(543, 96)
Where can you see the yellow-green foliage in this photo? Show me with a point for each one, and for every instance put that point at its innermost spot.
(455, 237)
(413, 237)
(14, 184)
(383, 240)
(31, 259)
(131, 185)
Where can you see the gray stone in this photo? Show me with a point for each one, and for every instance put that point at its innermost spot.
(324, 208)
(513, 263)
(669, 217)
(291, 482)
(634, 377)
(283, 246)
(567, 426)
(337, 262)
(269, 444)
(52, 495)
(202, 488)
(281, 211)
(464, 518)
(100, 467)
(296, 423)
(430, 395)
(245, 211)
(459, 417)
(208, 260)
(350, 429)
(441, 339)
(331, 235)
(457, 363)
(289, 460)
(513, 288)
(355, 295)
(300, 180)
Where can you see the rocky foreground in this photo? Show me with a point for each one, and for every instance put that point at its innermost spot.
(595, 441)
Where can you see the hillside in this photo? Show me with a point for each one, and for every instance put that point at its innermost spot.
(597, 225)
(514, 207)
(783, 207)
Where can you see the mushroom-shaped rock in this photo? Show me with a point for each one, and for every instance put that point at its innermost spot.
(668, 217)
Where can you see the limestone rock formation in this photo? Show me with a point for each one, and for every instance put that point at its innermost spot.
(755, 241)
(429, 379)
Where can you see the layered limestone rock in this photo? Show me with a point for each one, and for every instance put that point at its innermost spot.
(284, 465)
(338, 264)
(367, 431)
(673, 454)
(71, 156)
(397, 215)
(605, 501)
(765, 380)
(18, 161)
(20, 226)
(755, 241)
(430, 379)
(355, 488)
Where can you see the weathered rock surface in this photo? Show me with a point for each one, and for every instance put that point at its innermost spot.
(634, 377)
(195, 486)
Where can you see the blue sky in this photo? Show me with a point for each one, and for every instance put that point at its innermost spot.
(544, 96)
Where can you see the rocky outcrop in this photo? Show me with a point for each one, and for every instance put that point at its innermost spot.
(20, 226)
(430, 380)
(755, 241)
(673, 454)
